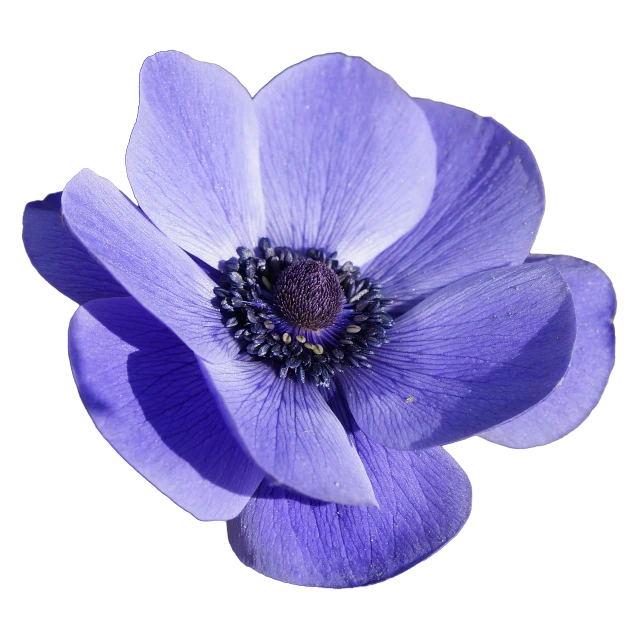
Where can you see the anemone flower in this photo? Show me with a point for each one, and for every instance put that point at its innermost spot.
(228, 347)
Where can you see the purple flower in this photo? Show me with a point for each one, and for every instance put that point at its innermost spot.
(229, 348)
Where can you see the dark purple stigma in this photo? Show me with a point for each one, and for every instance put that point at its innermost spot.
(309, 295)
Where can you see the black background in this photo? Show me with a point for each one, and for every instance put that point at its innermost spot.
(76, 106)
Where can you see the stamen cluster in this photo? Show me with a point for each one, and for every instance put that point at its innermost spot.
(248, 298)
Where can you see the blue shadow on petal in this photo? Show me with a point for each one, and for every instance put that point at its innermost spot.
(61, 259)
(592, 361)
(145, 391)
(212, 272)
(192, 407)
(424, 500)
(469, 357)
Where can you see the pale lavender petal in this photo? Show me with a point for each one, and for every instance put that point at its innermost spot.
(485, 212)
(290, 431)
(145, 392)
(467, 358)
(569, 404)
(348, 159)
(146, 263)
(193, 159)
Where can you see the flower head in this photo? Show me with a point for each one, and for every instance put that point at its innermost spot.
(317, 288)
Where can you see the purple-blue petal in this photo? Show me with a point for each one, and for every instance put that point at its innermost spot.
(193, 159)
(59, 258)
(290, 432)
(348, 159)
(485, 211)
(569, 404)
(467, 358)
(149, 265)
(424, 500)
(145, 392)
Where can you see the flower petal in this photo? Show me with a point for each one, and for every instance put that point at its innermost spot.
(145, 392)
(147, 264)
(348, 159)
(485, 212)
(59, 258)
(290, 432)
(568, 405)
(193, 159)
(424, 498)
(467, 358)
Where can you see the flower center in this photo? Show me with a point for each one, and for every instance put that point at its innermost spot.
(309, 295)
(308, 315)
